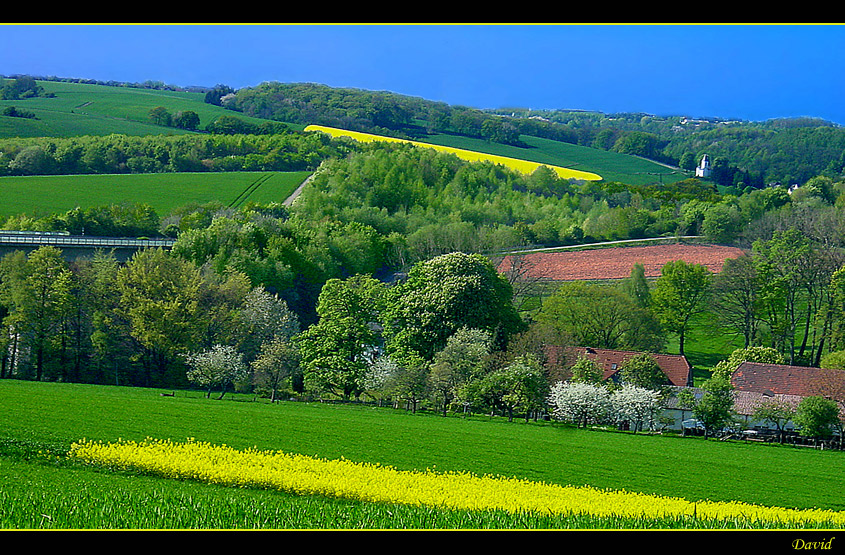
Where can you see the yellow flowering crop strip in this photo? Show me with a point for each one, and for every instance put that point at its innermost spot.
(299, 474)
(523, 166)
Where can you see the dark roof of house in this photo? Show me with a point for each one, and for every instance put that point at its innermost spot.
(676, 367)
(787, 380)
(745, 402)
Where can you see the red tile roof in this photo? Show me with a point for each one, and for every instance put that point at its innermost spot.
(788, 380)
(676, 367)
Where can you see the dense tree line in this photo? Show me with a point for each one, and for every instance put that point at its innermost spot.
(121, 154)
(448, 337)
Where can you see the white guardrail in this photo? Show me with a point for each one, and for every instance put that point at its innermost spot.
(61, 240)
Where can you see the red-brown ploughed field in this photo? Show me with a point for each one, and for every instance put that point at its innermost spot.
(616, 262)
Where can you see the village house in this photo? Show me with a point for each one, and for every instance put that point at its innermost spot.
(746, 403)
(758, 383)
(754, 385)
(677, 369)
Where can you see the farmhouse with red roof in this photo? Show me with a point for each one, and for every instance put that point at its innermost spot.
(676, 367)
(784, 379)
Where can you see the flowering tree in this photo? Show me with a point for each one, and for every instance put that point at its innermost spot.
(277, 361)
(579, 403)
(636, 405)
(265, 316)
(222, 365)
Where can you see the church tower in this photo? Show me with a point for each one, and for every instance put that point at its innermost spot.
(703, 169)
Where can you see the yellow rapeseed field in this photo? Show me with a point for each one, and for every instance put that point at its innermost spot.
(221, 464)
(523, 166)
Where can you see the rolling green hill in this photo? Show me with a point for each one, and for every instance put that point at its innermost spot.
(612, 166)
(83, 109)
(75, 109)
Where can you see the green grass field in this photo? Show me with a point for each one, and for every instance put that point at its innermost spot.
(41, 420)
(41, 195)
(612, 166)
(83, 109)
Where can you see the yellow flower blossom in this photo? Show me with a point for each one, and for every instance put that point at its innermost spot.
(523, 166)
(299, 474)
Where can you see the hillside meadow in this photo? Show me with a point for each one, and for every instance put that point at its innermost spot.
(612, 166)
(43, 420)
(522, 165)
(164, 192)
(77, 109)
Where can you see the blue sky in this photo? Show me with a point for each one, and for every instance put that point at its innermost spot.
(753, 72)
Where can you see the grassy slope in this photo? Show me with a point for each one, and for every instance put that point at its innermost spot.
(163, 191)
(54, 415)
(611, 166)
(81, 109)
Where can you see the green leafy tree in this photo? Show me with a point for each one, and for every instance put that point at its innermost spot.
(524, 387)
(410, 381)
(443, 295)
(160, 116)
(780, 262)
(336, 351)
(41, 298)
(160, 301)
(109, 331)
(722, 223)
(736, 290)
(715, 408)
(276, 363)
(835, 311)
(636, 286)
(594, 315)
(186, 119)
(462, 359)
(768, 355)
(679, 295)
(642, 370)
(816, 416)
(586, 370)
(21, 87)
(777, 413)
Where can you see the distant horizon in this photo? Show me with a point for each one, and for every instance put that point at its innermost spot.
(745, 72)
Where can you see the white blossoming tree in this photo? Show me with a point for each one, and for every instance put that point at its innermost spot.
(636, 405)
(579, 403)
(222, 366)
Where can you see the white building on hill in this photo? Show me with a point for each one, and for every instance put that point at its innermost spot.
(703, 168)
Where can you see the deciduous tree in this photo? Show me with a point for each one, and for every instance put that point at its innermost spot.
(276, 362)
(579, 403)
(636, 405)
(445, 294)
(679, 295)
(221, 366)
(817, 416)
(337, 350)
(463, 358)
(160, 300)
